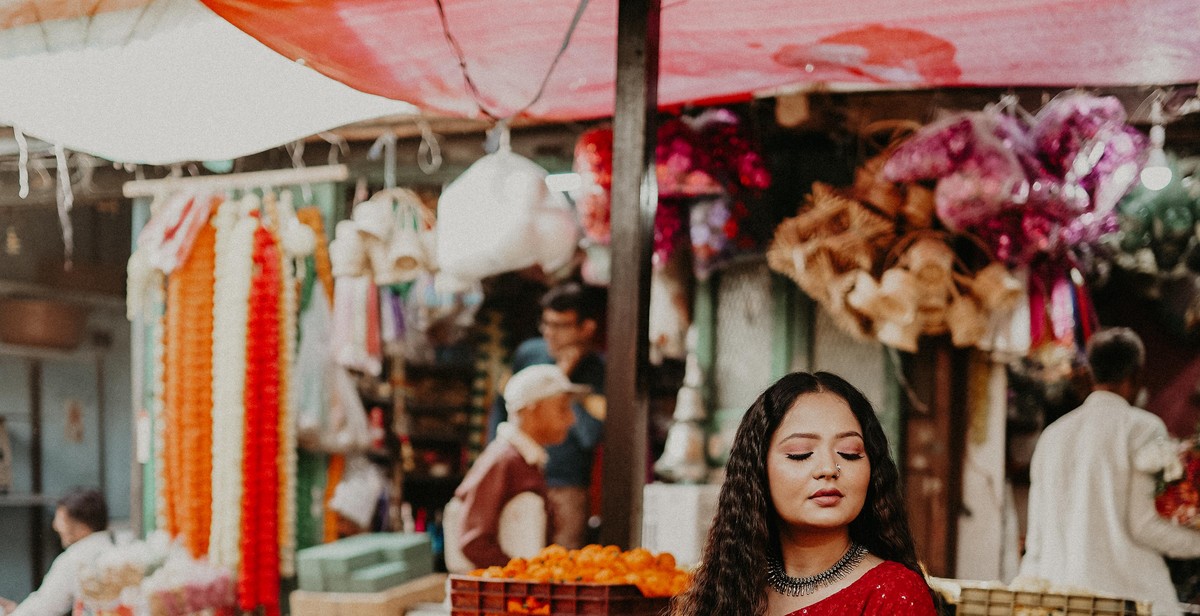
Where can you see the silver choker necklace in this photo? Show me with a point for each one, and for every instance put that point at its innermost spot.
(785, 584)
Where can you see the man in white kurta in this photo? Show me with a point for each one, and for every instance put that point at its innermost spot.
(81, 521)
(1092, 523)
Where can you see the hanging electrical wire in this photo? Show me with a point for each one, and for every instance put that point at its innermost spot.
(474, 89)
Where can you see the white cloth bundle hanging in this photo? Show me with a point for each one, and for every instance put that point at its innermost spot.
(499, 216)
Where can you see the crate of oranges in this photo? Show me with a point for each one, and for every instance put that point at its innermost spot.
(593, 580)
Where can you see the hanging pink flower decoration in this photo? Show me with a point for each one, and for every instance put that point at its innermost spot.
(708, 155)
(1029, 191)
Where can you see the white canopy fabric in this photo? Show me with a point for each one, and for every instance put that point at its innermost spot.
(163, 82)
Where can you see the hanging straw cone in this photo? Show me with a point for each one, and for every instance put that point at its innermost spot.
(848, 252)
(898, 299)
(815, 272)
(864, 296)
(967, 321)
(931, 260)
(918, 206)
(932, 320)
(899, 335)
(997, 289)
(896, 306)
(846, 320)
(870, 186)
(873, 227)
(807, 265)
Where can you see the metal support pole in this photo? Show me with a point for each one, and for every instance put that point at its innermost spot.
(37, 514)
(634, 201)
(102, 424)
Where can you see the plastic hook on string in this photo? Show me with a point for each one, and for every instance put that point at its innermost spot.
(429, 153)
(22, 161)
(498, 138)
(337, 145)
(385, 146)
(66, 200)
(297, 153)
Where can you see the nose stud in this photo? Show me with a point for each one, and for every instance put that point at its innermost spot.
(838, 472)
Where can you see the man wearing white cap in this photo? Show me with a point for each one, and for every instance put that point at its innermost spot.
(499, 511)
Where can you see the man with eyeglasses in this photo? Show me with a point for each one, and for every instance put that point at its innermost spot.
(571, 316)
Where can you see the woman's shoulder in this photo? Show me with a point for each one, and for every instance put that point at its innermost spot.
(892, 575)
(886, 589)
(903, 590)
(894, 571)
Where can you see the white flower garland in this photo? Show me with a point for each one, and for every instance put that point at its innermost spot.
(289, 303)
(234, 267)
(157, 303)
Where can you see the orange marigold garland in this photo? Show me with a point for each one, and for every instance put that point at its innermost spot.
(188, 401)
(195, 408)
(258, 580)
(311, 217)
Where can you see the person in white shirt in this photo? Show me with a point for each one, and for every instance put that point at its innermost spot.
(1092, 523)
(81, 521)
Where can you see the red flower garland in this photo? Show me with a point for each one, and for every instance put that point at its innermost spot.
(258, 580)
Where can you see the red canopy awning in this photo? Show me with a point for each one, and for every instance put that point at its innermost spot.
(717, 49)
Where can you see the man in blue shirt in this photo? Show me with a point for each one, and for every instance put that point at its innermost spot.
(570, 321)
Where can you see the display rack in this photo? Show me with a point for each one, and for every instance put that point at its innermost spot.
(437, 405)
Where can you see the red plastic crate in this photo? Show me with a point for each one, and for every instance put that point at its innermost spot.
(472, 596)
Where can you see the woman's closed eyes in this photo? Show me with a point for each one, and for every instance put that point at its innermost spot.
(846, 455)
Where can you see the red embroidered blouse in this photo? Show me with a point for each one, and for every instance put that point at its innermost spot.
(888, 589)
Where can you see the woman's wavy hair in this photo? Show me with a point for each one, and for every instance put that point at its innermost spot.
(731, 579)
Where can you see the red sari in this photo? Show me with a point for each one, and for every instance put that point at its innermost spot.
(888, 589)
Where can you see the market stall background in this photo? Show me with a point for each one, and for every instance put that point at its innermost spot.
(835, 56)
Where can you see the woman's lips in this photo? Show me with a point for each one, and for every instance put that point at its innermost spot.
(826, 498)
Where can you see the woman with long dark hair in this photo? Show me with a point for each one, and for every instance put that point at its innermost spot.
(810, 519)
